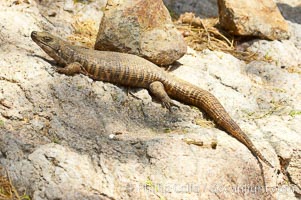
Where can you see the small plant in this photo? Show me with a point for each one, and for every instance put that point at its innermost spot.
(80, 87)
(25, 197)
(153, 187)
(293, 113)
(1, 123)
(149, 183)
(56, 140)
(267, 57)
(82, 1)
(167, 130)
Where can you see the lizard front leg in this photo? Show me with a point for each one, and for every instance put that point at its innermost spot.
(158, 90)
(71, 69)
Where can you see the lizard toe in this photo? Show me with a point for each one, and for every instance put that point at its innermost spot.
(169, 104)
(166, 104)
(58, 70)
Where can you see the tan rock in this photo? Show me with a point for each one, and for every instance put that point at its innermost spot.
(253, 18)
(140, 27)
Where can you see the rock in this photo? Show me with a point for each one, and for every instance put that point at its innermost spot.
(69, 6)
(202, 8)
(295, 171)
(285, 53)
(64, 15)
(253, 18)
(290, 10)
(67, 167)
(140, 27)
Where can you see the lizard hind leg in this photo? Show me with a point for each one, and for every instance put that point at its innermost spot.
(71, 69)
(157, 89)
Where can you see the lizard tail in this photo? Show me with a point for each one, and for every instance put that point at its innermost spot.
(233, 129)
(204, 100)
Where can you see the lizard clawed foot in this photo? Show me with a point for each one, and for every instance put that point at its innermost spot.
(168, 104)
(157, 88)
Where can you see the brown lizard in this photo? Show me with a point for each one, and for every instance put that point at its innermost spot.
(131, 70)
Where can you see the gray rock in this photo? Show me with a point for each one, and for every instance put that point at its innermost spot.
(290, 10)
(202, 8)
(140, 27)
(284, 53)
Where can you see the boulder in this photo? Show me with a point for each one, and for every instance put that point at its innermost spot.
(140, 27)
(259, 18)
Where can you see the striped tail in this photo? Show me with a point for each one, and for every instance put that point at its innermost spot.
(205, 101)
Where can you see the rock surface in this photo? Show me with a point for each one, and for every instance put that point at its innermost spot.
(63, 14)
(290, 10)
(140, 27)
(202, 8)
(67, 137)
(253, 18)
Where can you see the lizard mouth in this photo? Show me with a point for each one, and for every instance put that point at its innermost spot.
(51, 50)
(35, 37)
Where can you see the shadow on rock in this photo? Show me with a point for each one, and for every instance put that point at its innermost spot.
(290, 13)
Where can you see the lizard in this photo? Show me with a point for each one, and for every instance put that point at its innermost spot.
(134, 71)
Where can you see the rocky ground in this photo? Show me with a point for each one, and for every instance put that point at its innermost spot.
(73, 138)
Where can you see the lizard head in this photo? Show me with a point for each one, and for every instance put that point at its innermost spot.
(50, 44)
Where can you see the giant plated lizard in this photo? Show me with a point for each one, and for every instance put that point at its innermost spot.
(131, 70)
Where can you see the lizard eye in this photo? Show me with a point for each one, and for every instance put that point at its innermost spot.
(47, 39)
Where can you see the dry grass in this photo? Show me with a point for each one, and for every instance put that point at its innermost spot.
(85, 32)
(7, 189)
(204, 123)
(294, 69)
(203, 34)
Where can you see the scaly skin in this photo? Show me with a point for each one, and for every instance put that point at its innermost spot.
(133, 71)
